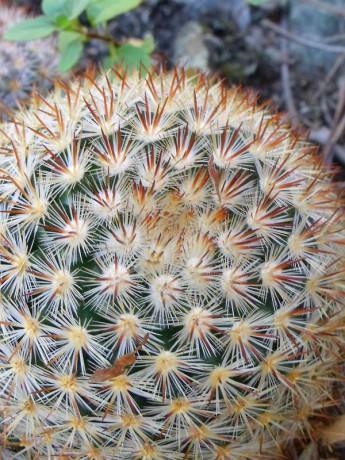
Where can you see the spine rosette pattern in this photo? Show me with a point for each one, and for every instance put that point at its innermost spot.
(172, 274)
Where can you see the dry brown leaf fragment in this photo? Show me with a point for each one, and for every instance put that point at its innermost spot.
(119, 366)
(335, 432)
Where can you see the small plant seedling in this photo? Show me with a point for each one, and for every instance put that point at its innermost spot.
(257, 2)
(64, 17)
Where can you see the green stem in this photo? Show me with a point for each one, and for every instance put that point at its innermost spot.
(106, 38)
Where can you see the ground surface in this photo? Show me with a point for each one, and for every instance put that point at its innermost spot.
(290, 51)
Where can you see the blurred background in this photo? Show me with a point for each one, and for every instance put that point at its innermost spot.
(289, 51)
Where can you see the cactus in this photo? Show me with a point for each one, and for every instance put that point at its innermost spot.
(23, 65)
(172, 279)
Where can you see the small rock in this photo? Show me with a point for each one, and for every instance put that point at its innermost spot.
(306, 20)
(189, 47)
(238, 10)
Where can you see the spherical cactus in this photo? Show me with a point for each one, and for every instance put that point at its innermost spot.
(172, 274)
(24, 64)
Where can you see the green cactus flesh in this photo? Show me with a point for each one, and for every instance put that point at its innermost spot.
(171, 269)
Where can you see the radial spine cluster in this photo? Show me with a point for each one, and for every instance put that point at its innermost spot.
(172, 274)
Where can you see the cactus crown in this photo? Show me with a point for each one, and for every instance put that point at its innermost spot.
(171, 279)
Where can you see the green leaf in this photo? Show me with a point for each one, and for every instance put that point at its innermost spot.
(70, 9)
(76, 7)
(62, 22)
(30, 29)
(108, 62)
(102, 10)
(148, 44)
(112, 50)
(53, 8)
(71, 46)
(132, 56)
(256, 2)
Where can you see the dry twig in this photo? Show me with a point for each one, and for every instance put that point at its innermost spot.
(285, 76)
(303, 40)
(334, 9)
(331, 73)
(338, 123)
(334, 38)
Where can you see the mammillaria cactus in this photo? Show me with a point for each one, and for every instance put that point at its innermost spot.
(172, 279)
